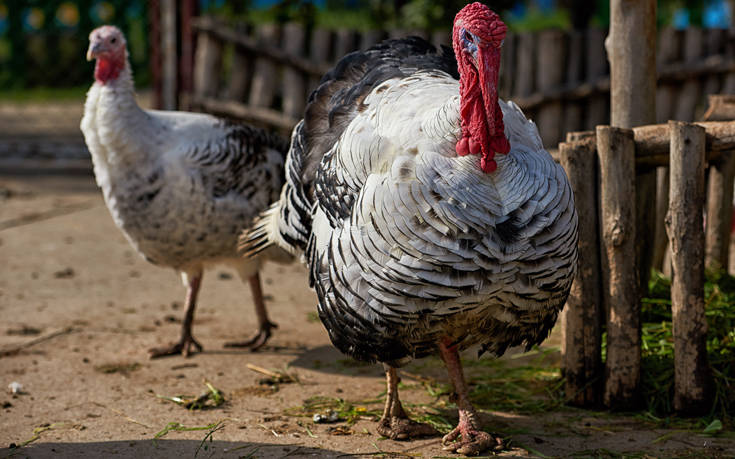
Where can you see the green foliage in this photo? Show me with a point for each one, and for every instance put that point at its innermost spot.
(658, 343)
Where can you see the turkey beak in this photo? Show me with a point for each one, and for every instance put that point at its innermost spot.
(94, 50)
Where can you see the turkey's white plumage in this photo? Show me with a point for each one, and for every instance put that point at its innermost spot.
(181, 186)
(420, 233)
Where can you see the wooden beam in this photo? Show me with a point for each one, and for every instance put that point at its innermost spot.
(226, 33)
(169, 55)
(692, 375)
(615, 147)
(262, 115)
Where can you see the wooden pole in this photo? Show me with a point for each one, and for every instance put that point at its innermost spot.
(208, 60)
(631, 49)
(294, 82)
(617, 184)
(549, 75)
(692, 375)
(265, 77)
(580, 320)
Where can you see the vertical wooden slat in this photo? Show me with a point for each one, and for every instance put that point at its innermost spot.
(321, 40)
(661, 241)
(169, 55)
(549, 76)
(573, 110)
(524, 64)
(344, 43)
(371, 37)
(616, 150)
(690, 92)
(598, 111)
(692, 375)
(719, 191)
(294, 83)
(507, 67)
(580, 320)
(186, 61)
(265, 76)
(154, 37)
(207, 63)
(714, 44)
(241, 74)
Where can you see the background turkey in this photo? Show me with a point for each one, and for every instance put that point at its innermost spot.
(181, 186)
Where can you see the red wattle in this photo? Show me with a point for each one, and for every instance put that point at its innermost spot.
(474, 146)
(462, 147)
(488, 165)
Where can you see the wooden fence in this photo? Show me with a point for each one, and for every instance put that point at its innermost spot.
(602, 168)
(561, 79)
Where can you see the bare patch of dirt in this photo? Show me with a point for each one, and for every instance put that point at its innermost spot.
(76, 326)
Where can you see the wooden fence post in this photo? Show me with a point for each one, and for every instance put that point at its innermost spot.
(580, 320)
(241, 72)
(550, 75)
(616, 149)
(631, 48)
(692, 375)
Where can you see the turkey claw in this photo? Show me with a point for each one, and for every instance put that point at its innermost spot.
(257, 341)
(473, 442)
(183, 347)
(399, 428)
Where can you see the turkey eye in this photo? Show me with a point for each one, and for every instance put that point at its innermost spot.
(113, 40)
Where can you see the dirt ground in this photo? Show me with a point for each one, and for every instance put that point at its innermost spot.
(79, 309)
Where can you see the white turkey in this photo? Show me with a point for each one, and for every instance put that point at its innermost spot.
(429, 215)
(181, 186)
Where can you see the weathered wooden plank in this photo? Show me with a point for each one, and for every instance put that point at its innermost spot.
(690, 92)
(262, 90)
(294, 82)
(598, 111)
(549, 75)
(169, 54)
(616, 150)
(572, 112)
(207, 63)
(668, 48)
(525, 57)
(692, 375)
(344, 42)
(319, 51)
(266, 50)
(720, 191)
(581, 318)
(241, 73)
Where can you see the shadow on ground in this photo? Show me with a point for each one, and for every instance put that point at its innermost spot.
(166, 449)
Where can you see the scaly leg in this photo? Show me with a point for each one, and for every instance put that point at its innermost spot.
(474, 441)
(395, 424)
(192, 281)
(264, 325)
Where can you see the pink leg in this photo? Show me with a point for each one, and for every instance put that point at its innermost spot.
(183, 347)
(395, 424)
(264, 325)
(474, 441)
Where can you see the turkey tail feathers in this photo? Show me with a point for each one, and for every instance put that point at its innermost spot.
(286, 223)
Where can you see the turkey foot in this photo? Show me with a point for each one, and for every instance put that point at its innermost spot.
(395, 424)
(403, 428)
(257, 341)
(473, 442)
(183, 347)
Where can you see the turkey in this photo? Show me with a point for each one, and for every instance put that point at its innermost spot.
(429, 215)
(181, 186)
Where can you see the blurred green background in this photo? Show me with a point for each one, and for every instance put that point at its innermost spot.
(43, 43)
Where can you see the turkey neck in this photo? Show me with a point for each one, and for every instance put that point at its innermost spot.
(125, 130)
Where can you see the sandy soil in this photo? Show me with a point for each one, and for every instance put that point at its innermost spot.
(79, 309)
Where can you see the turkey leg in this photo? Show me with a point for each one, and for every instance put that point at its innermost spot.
(395, 424)
(264, 325)
(183, 347)
(474, 441)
